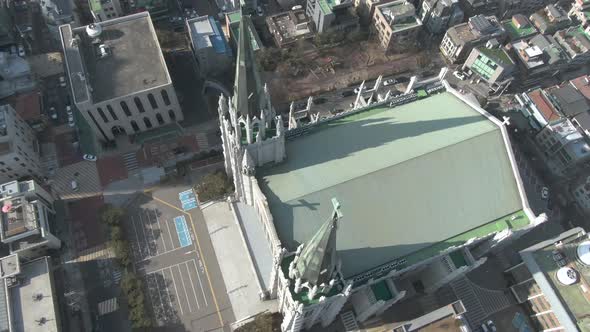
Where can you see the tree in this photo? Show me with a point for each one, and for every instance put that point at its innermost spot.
(214, 186)
(116, 233)
(266, 322)
(111, 215)
(269, 58)
(122, 252)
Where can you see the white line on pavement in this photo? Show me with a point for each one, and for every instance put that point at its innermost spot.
(202, 291)
(192, 284)
(169, 233)
(151, 229)
(176, 290)
(162, 254)
(136, 237)
(190, 307)
(147, 244)
(159, 293)
(160, 228)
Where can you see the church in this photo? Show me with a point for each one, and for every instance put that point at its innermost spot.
(369, 207)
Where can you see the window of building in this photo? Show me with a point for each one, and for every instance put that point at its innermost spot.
(171, 115)
(102, 115)
(147, 122)
(125, 108)
(139, 104)
(112, 113)
(152, 101)
(165, 97)
(159, 118)
(134, 126)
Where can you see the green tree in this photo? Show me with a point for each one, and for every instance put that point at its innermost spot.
(110, 215)
(214, 186)
(116, 233)
(263, 323)
(122, 252)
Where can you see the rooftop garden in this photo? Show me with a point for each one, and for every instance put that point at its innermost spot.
(517, 33)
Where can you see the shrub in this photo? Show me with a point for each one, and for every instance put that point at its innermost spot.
(111, 215)
(214, 186)
(133, 289)
(122, 252)
(266, 322)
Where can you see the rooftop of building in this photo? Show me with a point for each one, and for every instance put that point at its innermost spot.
(16, 187)
(326, 6)
(205, 32)
(234, 19)
(393, 167)
(32, 300)
(582, 84)
(570, 303)
(539, 51)
(569, 100)
(28, 106)
(476, 27)
(9, 266)
(20, 217)
(131, 47)
(400, 15)
(550, 17)
(290, 25)
(544, 106)
(496, 54)
(441, 319)
(522, 30)
(575, 40)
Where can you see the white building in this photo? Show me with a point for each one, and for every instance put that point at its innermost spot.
(373, 206)
(118, 76)
(27, 218)
(19, 148)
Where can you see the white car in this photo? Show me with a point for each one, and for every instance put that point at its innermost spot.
(459, 75)
(21, 51)
(389, 82)
(62, 81)
(89, 157)
(259, 11)
(71, 121)
(52, 113)
(545, 193)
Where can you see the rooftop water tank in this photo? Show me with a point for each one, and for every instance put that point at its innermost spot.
(93, 30)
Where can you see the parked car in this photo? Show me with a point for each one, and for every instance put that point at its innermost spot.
(459, 75)
(259, 11)
(52, 113)
(89, 157)
(347, 93)
(71, 121)
(297, 7)
(62, 81)
(545, 193)
(21, 51)
(491, 326)
(356, 90)
(389, 82)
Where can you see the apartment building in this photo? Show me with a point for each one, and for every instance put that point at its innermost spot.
(460, 39)
(550, 19)
(397, 25)
(438, 15)
(575, 41)
(538, 58)
(563, 146)
(28, 217)
(208, 45)
(19, 148)
(107, 65)
(332, 15)
(492, 64)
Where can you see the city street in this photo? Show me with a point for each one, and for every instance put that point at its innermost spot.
(172, 251)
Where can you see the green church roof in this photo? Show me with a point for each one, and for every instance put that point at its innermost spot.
(409, 178)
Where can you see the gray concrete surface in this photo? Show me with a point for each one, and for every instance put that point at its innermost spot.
(236, 268)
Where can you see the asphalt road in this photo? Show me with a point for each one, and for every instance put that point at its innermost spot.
(177, 262)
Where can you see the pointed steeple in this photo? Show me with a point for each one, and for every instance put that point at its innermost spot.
(317, 261)
(247, 85)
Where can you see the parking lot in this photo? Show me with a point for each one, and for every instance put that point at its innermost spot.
(184, 286)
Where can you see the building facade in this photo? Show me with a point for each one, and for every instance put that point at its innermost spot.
(397, 25)
(15, 75)
(332, 15)
(209, 46)
(460, 39)
(289, 27)
(19, 147)
(110, 86)
(27, 219)
(492, 64)
(103, 10)
(438, 15)
(538, 58)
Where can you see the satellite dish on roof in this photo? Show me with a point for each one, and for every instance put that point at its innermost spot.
(584, 252)
(93, 30)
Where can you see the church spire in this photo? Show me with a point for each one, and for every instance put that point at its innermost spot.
(317, 261)
(247, 85)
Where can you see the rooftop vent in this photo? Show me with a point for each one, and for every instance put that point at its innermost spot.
(584, 252)
(567, 276)
(492, 43)
(93, 30)
(103, 50)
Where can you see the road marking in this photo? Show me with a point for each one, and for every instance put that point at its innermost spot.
(198, 276)
(152, 230)
(169, 232)
(162, 254)
(192, 284)
(198, 246)
(190, 307)
(176, 290)
(136, 237)
(145, 236)
(160, 228)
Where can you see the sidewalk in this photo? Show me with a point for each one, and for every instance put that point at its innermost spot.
(236, 266)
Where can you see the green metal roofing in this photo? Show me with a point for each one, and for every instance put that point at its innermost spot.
(407, 178)
(95, 5)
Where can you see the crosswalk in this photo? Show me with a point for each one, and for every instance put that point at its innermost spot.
(130, 161)
(108, 306)
(202, 141)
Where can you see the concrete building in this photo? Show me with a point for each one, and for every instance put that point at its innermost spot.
(106, 65)
(479, 7)
(311, 207)
(492, 64)
(563, 146)
(438, 15)
(575, 41)
(538, 58)
(28, 299)
(209, 46)
(15, 75)
(366, 8)
(581, 11)
(288, 27)
(581, 192)
(460, 39)
(550, 19)
(577, 106)
(551, 282)
(332, 15)
(103, 10)
(19, 148)
(537, 108)
(158, 9)
(397, 25)
(519, 27)
(508, 8)
(27, 219)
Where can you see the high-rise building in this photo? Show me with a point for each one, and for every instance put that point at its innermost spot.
(119, 79)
